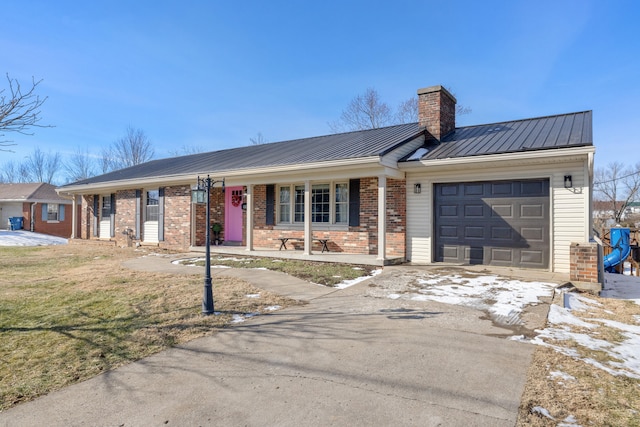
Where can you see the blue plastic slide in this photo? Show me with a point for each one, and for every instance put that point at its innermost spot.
(620, 248)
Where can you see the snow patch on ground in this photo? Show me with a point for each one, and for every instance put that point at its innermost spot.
(624, 356)
(503, 299)
(28, 238)
(347, 283)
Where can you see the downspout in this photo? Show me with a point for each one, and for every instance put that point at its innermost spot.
(32, 220)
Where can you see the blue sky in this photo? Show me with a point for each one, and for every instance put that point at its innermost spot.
(215, 73)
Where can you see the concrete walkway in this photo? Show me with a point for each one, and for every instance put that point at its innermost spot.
(343, 359)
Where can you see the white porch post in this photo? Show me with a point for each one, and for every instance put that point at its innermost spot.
(74, 219)
(308, 232)
(382, 217)
(249, 202)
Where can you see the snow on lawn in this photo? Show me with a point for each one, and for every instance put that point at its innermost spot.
(624, 356)
(28, 238)
(504, 299)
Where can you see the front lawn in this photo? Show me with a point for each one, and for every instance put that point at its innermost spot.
(70, 312)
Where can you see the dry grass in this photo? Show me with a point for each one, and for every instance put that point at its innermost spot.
(68, 313)
(314, 272)
(567, 386)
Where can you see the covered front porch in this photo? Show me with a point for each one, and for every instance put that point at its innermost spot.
(337, 257)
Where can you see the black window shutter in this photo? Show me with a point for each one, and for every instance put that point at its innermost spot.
(271, 202)
(161, 214)
(138, 197)
(113, 215)
(354, 202)
(96, 206)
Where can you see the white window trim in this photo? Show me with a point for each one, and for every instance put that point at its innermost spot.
(57, 212)
(292, 224)
(145, 200)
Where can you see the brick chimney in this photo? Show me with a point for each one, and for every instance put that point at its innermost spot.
(436, 111)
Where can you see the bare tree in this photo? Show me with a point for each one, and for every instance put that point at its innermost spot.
(43, 167)
(132, 149)
(368, 111)
(407, 111)
(13, 173)
(185, 150)
(80, 165)
(19, 110)
(617, 186)
(365, 111)
(258, 139)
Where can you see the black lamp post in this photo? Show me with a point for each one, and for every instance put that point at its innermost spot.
(204, 185)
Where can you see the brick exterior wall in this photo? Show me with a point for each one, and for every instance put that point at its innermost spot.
(125, 217)
(436, 111)
(52, 228)
(180, 215)
(177, 217)
(584, 262)
(362, 239)
(216, 214)
(396, 217)
(86, 218)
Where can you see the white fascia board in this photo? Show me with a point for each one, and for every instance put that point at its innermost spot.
(349, 168)
(507, 159)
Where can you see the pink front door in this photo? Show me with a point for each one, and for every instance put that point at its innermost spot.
(233, 214)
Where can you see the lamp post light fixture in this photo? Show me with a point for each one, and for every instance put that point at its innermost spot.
(204, 185)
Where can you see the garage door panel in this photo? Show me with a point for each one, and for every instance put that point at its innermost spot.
(474, 255)
(448, 232)
(448, 210)
(502, 211)
(502, 255)
(471, 232)
(473, 189)
(449, 253)
(474, 211)
(502, 233)
(448, 190)
(531, 257)
(500, 223)
(534, 188)
(502, 189)
(532, 211)
(532, 234)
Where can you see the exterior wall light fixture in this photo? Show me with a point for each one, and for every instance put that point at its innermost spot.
(417, 188)
(568, 182)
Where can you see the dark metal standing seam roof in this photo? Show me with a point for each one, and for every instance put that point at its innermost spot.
(351, 145)
(567, 130)
(561, 131)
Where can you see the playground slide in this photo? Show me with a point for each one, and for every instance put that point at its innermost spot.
(620, 248)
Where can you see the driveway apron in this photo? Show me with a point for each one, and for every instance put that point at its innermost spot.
(343, 359)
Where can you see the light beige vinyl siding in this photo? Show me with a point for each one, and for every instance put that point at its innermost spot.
(569, 221)
(105, 228)
(150, 232)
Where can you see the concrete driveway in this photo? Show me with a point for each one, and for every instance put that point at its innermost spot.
(346, 358)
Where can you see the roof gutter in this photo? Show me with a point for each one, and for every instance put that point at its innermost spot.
(537, 156)
(239, 175)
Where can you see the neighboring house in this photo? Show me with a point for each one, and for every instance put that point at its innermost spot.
(39, 205)
(515, 193)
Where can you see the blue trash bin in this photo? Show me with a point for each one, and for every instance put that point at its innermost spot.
(16, 222)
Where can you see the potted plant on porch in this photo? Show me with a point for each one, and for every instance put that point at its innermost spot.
(216, 227)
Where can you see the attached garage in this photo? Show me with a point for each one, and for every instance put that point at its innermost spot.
(503, 223)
